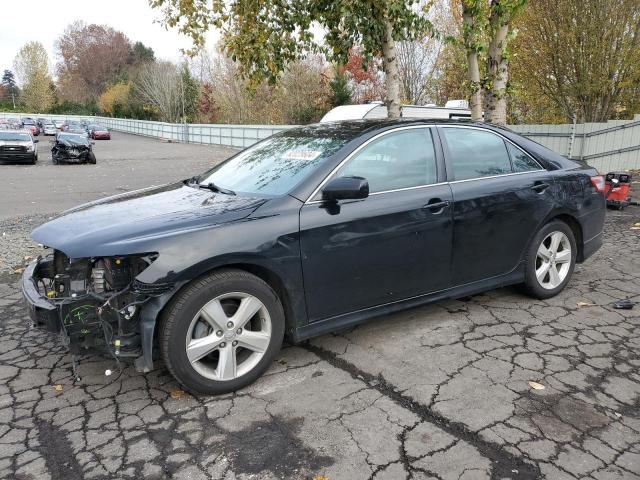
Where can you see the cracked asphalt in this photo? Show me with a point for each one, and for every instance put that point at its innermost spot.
(437, 392)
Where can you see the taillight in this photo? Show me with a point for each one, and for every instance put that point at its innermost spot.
(598, 183)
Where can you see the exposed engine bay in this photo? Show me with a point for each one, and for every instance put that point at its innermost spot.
(97, 301)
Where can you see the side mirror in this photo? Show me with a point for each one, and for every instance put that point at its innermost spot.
(345, 188)
(35, 140)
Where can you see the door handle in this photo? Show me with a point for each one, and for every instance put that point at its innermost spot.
(539, 187)
(436, 205)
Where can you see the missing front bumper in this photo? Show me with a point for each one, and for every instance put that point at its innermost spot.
(44, 313)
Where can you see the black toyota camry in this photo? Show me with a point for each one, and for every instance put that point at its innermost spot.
(306, 232)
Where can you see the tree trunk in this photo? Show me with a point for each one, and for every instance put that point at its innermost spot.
(391, 73)
(498, 74)
(475, 99)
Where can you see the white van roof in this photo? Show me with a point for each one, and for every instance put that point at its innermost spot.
(348, 112)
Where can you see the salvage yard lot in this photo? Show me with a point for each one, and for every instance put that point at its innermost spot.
(435, 392)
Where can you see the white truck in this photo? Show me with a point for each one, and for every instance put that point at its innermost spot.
(453, 109)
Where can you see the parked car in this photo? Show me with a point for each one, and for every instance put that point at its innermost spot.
(77, 130)
(71, 125)
(29, 124)
(72, 148)
(49, 129)
(59, 124)
(41, 122)
(98, 132)
(311, 230)
(14, 123)
(18, 146)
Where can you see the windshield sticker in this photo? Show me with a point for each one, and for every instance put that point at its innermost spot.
(302, 154)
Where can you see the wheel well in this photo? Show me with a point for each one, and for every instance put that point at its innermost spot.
(575, 227)
(271, 279)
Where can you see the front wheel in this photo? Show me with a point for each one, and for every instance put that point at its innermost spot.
(550, 260)
(222, 332)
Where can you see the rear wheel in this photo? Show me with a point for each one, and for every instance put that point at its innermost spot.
(91, 158)
(222, 332)
(550, 260)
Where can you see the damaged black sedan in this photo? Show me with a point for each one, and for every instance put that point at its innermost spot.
(309, 231)
(72, 148)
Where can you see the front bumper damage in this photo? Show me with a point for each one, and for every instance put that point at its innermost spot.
(89, 314)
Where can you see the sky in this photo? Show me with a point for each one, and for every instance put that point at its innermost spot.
(45, 20)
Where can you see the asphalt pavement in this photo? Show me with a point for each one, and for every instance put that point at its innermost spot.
(492, 386)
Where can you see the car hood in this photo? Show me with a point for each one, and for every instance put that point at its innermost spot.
(15, 143)
(140, 221)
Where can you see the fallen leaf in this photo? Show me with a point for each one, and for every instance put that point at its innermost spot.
(176, 393)
(18, 271)
(585, 304)
(635, 228)
(320, 477)
(57, 387)
(28, 258)
(636, 224)
(536, 385)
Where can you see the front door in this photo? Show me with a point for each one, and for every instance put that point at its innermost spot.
(387, 247)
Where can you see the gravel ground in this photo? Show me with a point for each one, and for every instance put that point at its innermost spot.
(437, 392)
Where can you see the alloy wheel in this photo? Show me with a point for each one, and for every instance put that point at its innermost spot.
(228, 336)
(553, 260)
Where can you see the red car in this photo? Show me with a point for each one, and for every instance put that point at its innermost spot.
(99, 133)
(31, 125)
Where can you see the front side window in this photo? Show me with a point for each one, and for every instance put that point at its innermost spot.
(401, 159)
(274, 166)
(476, 153)
(521, 161)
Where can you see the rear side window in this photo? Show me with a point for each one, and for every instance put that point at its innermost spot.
(396, 160)
(476, 153)
(521, 161)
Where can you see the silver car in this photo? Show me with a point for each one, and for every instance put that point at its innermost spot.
(49, 129)
(18, 146)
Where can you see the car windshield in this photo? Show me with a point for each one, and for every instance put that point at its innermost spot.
(72, 138)
(14, 137)
(273, 166)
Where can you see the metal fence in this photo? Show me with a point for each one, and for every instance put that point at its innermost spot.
(607, 146)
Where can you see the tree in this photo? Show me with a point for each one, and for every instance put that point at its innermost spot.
(265, 37)
(486, 32)
(9, 83)
(114, 100)
(168, 89)
(578, 57)
(417, 63)
(92, 56)
(340, 91)
(140, 53)
(364, 77)
(31, 65)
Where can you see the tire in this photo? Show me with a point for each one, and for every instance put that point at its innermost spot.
(35, 160)
(540, 279)
(91, 158)
(184, 323)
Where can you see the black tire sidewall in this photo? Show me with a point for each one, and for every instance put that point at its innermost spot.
(180, 313)
(531, 282)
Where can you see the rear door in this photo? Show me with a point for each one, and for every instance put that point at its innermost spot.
(500, 197)
(390, 246)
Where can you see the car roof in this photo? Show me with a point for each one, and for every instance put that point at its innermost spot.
(349, 129)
